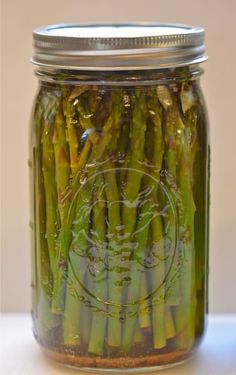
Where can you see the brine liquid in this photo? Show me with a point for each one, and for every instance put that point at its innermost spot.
(120, 222)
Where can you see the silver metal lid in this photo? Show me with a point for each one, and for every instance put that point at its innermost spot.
(118, 46)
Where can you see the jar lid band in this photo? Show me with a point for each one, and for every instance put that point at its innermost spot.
(118, 46)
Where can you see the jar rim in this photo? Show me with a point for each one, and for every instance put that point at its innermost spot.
(114, 47)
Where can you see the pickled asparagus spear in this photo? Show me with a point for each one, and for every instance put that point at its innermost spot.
(134, 175)
(71, 134)
(145, 305)
(186, 151)
(62, 168)
(134, 296)
(130, 197)
(181, 153)
(114, 250)
(73, 332)
(48, 167)
(44, 260)
(170, 161)
(114, 230)
(100, 288)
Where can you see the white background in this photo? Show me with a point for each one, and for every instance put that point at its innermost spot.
(19, 17)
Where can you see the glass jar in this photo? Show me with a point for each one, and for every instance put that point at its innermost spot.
(119, 163)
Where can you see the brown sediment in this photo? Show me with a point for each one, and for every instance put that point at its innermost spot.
(117, 363)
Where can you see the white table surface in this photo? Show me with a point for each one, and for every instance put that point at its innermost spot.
(20, 354)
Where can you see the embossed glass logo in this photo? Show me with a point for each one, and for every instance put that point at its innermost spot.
(123, 250)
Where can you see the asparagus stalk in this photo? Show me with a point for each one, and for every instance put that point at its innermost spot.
(114, 223)
(170, 160)
(99, 319)
(138, 334)
(145, 306)
(186, 209)
(141, 236)
(131, 200)
(170, 331)
(76, 268)
(134, 176)
(42, 257)
(123, 142)
(191, 111)
(157, 278)
(87, 124)
(73, 331)
(72, 316)
(62, 158)
(45, 319)
(187, 146)
(114, 251)
(48, 167)
(159, 318)
(201, 198)
(71, 135)
(86, 310)
(78, 250)
(33, 164)
(62, 167)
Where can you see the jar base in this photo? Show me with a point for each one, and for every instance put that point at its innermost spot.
(119, 365)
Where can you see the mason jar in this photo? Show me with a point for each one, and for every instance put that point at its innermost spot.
(119, 163)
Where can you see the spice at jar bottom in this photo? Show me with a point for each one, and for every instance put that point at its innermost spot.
(119, 171)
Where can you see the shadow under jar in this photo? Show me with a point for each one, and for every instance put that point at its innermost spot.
(119, 164)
